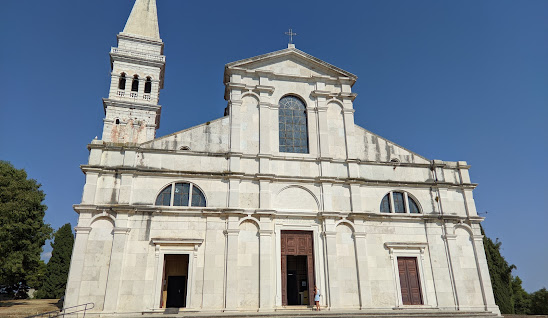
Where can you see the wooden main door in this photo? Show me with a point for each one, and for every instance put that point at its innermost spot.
(297, 268)
(409, 281)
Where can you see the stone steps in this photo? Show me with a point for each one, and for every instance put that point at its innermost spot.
(287, 313)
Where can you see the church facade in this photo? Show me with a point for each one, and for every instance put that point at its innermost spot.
(250, 211)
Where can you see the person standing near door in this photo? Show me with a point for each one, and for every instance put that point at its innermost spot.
(317, 297)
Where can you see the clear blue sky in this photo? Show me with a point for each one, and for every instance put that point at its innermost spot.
(450, 80)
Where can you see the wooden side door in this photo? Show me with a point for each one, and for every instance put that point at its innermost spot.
(409, 281)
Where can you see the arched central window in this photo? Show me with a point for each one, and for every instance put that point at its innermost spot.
(399, 202)
(181, 194)
(293, 125)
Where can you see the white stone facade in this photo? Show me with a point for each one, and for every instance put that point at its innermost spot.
(254, 192)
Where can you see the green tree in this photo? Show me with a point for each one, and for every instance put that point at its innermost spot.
(22, 229)
(59, 263)
(539, 302)
(501, 275)
(522, 302)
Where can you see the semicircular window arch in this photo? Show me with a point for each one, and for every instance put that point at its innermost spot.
(181, 194)
(293, 125)
(399, 202)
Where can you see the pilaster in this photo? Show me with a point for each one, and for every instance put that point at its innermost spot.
(333, 287)
(266, 273)
(364, 283)
(451, 240)
(483, 273)
(231, 273)
(115, 268)
(76, 266)
(323, 127)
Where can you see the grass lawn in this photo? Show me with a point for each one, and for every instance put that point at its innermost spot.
(25, 307)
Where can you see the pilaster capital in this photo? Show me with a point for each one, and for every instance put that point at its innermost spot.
(82, 229)
(351, 96)
(264, 88)
(360, 235)
(320, 93)
(477, 237)
(265, 232)
(448, 237)
(329, 233)
(321, 109)
(121, 230)
(231, 232)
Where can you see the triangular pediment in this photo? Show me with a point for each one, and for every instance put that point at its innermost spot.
(291, 62)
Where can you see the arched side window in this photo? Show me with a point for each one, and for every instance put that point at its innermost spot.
(399, 202)
(181, 194)
(135, 83)
(148, 85)
(293, 125)
(122, 81)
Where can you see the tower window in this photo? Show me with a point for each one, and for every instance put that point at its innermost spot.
(117, 121)
(148, 85)
(122, 81)
(135, 83)
(293, 125)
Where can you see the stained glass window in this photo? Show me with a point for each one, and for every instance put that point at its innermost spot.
(385, 204)
(180, 196)
(198, 198)
(293, 126)
(164, 198)
(398, 200)
(399, 203)
(413, 207)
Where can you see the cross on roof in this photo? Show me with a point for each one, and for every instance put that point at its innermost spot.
(291, 34)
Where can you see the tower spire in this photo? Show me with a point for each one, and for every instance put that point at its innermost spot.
(143, 20)
(132, 113)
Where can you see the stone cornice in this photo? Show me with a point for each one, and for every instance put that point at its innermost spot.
(350, 96)
(133, 57)
(405, 245)
(280, 214)
(176, 241)
(142, 39)
(275, 75)
(107, 102)
(240, 175)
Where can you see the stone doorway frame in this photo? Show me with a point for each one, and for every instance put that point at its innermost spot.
(318, 258)
(416, 250)
(174, 246)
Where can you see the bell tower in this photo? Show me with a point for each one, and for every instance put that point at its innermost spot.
(132, 112)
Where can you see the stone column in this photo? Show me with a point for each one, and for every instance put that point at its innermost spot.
(115, 269)
(266, 277)
(76, 266)
(231, 289)
(483, 273)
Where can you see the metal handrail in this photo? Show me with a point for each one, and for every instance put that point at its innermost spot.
(62, 313)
